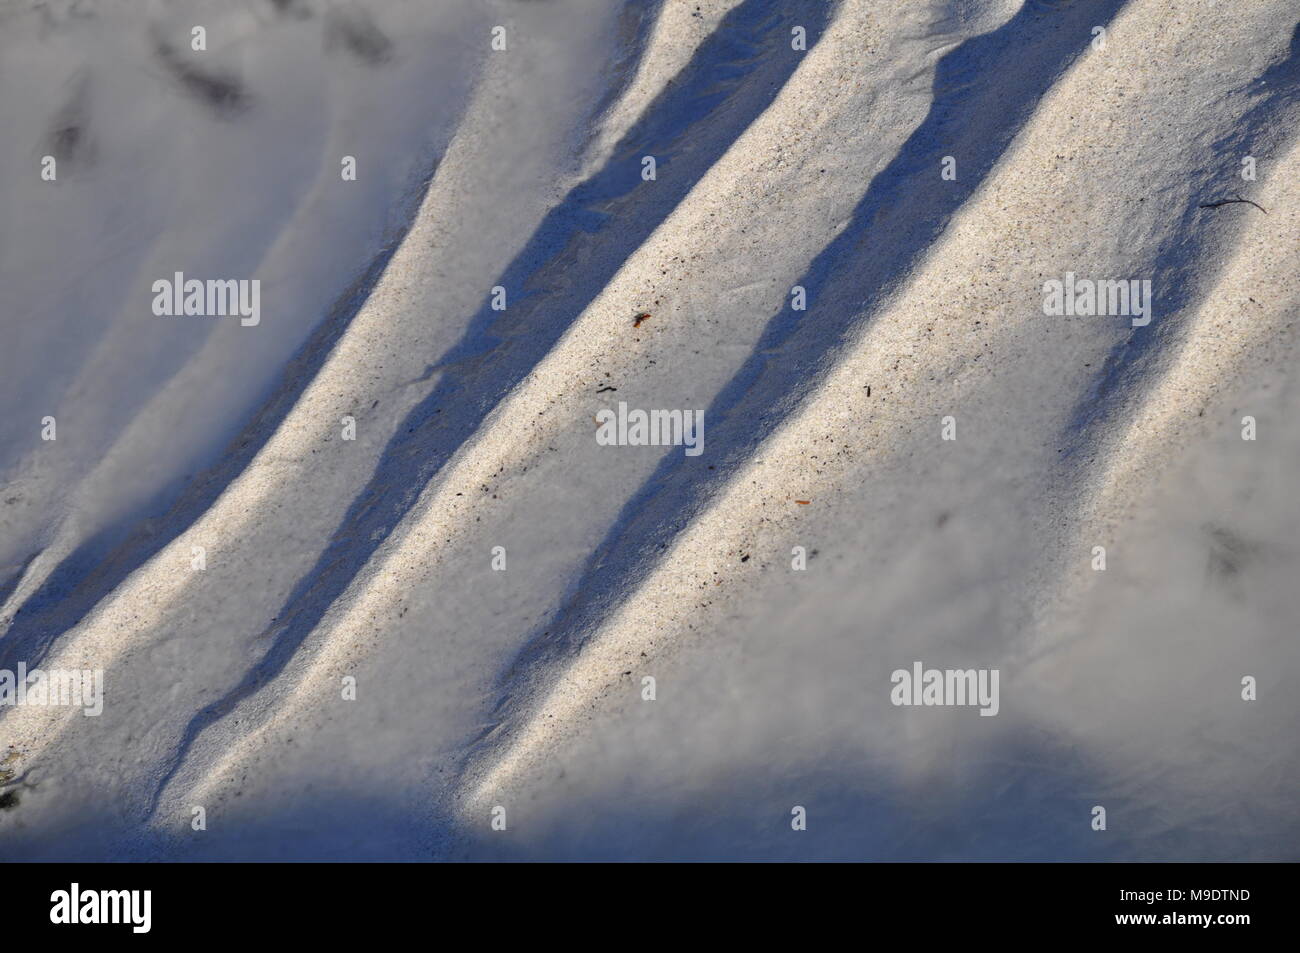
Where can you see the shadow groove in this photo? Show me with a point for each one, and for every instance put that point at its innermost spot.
(984, 91)
(733, 77)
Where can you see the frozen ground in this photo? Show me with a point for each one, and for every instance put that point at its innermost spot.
(521, 691)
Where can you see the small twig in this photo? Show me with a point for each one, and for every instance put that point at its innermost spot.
(1234, 202)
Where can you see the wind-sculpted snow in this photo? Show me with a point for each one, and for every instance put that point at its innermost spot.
(369, 578)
